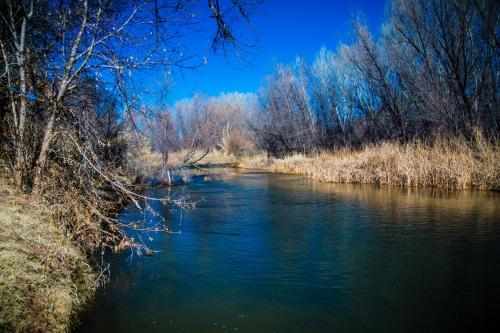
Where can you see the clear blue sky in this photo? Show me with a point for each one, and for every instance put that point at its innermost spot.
(285, 29)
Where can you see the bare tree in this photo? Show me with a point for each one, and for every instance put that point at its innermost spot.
(236, 110)
(287, 123)
(165, 138)
(446, 53)
(199, 126)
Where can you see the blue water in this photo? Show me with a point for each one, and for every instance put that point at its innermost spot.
(279, 253)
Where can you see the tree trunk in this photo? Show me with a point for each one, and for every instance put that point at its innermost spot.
(42, 156)
(169, 177)
(20, 163)
(19, 166)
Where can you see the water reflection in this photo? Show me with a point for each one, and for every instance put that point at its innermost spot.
(276, 253)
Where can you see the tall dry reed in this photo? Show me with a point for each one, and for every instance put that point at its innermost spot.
(454, 163)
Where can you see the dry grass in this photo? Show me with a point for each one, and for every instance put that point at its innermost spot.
(214, 157)
(448, 163)
(257, 160)
(142, 160)
(44, 278)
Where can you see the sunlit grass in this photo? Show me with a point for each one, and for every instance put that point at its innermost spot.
(447, 163)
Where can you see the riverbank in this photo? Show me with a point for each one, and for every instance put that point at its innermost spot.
(448, 164)
(44, 278)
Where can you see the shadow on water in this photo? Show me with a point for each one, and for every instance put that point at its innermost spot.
(278, 253)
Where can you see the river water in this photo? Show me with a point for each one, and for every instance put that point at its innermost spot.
(279, 253)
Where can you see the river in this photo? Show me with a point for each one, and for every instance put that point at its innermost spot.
(279, 253)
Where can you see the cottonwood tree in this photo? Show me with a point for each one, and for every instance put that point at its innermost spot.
(237, 110)
(287, 123)
(200, 126)
(372, 63)
(164, 136)
(446, 53)
(331, 79)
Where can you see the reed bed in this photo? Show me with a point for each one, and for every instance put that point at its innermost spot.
(446, 163)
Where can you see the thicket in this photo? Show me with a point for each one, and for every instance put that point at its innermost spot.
(432, 70)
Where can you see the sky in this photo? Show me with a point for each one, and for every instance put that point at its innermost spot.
(284, 29)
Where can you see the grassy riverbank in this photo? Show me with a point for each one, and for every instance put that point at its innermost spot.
(44, 278)
(446, 166)
(447, 163)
